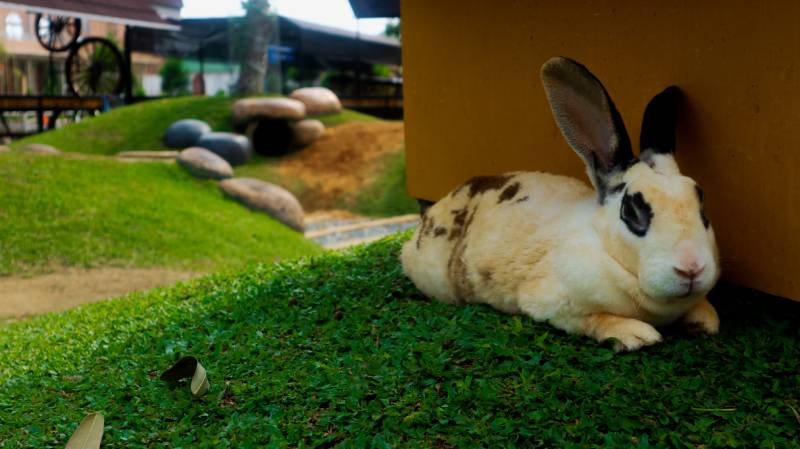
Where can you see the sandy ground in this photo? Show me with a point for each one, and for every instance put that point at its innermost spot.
(21, 297)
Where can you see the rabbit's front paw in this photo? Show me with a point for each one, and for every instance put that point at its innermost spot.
(629, 334)
(702, 319)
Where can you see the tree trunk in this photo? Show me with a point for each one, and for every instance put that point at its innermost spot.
(256, 29)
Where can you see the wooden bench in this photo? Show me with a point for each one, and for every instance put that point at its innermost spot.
(53, 104)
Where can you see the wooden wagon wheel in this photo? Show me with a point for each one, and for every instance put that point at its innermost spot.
(57, 33)
(95, 67)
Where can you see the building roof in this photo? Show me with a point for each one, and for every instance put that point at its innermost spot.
(317, 29)
(325, 44)
(334, 44)
(366, 9)
(139, 13)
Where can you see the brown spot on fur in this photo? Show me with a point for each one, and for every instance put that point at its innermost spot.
(523, 199)
(424, 228)
(456, 267)
(486, 276)
(460, 217)
(428, 227)
(508, 193)
(481, 184)
(440, 231)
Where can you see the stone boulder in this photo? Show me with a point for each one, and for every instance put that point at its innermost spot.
(249, 109)
(234, 148)
(318, 100)
(204, 164)
(39, 148)
(185, 133)
(263, 196)
(305, 132)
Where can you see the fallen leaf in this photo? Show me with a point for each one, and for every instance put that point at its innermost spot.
(89, 433)
(189, 367)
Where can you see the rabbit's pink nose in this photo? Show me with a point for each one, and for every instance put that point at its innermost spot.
(689, 272)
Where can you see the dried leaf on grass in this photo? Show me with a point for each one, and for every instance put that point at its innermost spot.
(89, 433)
(189, 367)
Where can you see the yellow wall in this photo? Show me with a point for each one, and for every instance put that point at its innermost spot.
(474, 103)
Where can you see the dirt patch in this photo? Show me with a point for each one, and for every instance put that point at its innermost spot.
(340, 163)
(21, 297)
(331, 214)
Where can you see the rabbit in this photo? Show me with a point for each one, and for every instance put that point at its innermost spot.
(612, 262)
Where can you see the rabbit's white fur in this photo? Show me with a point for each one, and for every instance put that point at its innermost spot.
(542, 245)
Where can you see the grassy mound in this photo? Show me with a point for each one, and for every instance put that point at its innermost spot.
(386, 195)
(61, 211)
(341, 350)
(141, 126)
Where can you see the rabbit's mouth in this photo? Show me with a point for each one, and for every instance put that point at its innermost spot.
(689, 291)
(693, 288)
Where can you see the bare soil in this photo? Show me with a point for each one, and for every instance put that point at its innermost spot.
(21, 297)
(340, 163)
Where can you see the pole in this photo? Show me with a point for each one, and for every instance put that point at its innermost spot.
(128, 65)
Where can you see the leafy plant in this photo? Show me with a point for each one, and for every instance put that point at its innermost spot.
(381, 70)
(392, 29)
(174, 78)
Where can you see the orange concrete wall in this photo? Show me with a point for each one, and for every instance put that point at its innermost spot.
(474, 103)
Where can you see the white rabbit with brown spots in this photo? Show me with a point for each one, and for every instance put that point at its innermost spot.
(611, 262)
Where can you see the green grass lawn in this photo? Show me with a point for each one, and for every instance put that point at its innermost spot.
(142, 125)
(340, 350)
(67, 212)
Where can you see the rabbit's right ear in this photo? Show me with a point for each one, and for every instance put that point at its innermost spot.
(588, 120)
(657, 140)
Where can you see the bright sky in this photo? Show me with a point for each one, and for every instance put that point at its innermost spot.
(335, 13)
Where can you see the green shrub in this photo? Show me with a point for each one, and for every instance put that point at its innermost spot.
(174, 78)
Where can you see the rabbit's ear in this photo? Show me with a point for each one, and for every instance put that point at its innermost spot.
(657, 141)
(588, 120)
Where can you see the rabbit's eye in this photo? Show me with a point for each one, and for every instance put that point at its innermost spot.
(701, 197)
(636, 213)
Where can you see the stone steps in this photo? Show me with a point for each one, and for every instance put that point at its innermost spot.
(343, 233)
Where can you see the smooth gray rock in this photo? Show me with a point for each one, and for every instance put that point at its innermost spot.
(234, 148)
(39, 148)
(204, 164)
(263, 196)
(305, 132)
(318, 100)
(185, 133)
